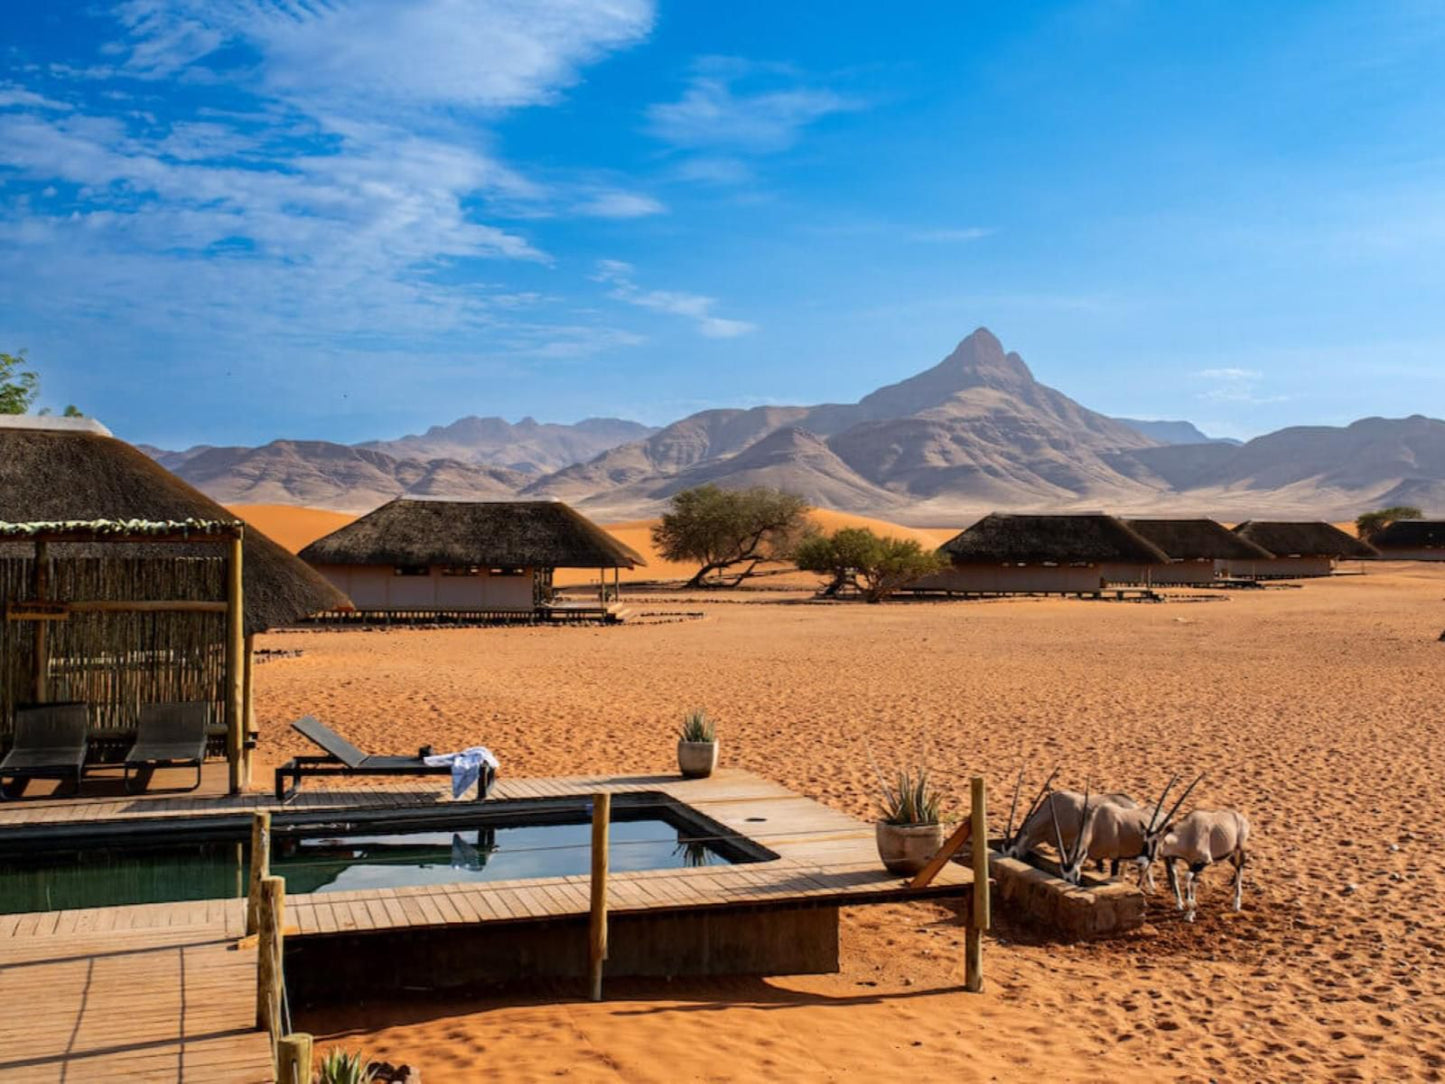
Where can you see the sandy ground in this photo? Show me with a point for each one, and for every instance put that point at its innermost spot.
(1316, 710)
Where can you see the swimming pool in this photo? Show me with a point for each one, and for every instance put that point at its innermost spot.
(59, 867)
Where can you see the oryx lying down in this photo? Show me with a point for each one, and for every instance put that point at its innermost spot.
(1204, 837)
(1117, 833)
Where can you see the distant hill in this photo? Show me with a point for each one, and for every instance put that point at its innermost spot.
(529, 446)
(973, 433)
(1173, 432)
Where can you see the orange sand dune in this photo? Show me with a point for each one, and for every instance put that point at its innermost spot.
(1315, 710)
(289, 525)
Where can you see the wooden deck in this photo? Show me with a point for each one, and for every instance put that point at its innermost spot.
(161, 992)
(98, 995)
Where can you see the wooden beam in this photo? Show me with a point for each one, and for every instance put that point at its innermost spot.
(951, 846)
(979, 917)
(597, 930)
(272, 919)
(293, 1058)
(248, 706)
(42, 649)
(260, 868)
(235, 667)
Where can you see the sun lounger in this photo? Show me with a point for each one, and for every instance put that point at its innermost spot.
(343, 758)
(49, 744)
(169, 734)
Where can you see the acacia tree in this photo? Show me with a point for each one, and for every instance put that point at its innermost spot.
(876, 566)
(18, 387)
(1372, 523)
(730, 531)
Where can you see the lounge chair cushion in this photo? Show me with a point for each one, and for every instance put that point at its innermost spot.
(322, 735)
(47, 736)
(170, 732)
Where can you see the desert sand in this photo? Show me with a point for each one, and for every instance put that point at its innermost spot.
(1315, 710)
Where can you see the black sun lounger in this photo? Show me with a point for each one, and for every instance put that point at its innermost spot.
(49, 744)
(169, 734)
(343, 758)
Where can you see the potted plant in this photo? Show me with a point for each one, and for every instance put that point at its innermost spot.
(910, 830)
(697, 745)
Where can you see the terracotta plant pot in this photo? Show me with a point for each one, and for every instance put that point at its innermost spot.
(906, 848)
(696, 759)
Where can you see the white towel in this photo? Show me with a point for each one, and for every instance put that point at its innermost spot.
(466, 766)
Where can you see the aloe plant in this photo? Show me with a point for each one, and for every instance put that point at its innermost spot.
(342, 1067)
(696, 726)
(913, 800)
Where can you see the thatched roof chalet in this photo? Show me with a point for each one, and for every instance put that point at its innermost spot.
(1197, 540)
(1313, 539)
(1411, 534)
(458, 533)
(63, 469)
(1087, 539)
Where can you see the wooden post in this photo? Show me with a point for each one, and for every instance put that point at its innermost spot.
(42, 589)
(597, 939)
(981, 915)
(235, 666)
(260, 869)
(272, 920)
(248, 705)
(293, 1058)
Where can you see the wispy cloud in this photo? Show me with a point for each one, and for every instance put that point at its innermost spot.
(951, 236)
(734, 108)
(619, 277)
(1234, 385)
(306, 203)
(619, 205)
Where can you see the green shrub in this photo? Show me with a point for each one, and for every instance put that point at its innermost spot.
(341, 1067)
(696, 726)
(913, 800)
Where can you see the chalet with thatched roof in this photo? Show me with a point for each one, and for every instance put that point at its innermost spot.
(1412, 540)
(1042, 554)
(1194, 546)
(121, 585)
(423, 556)
(1297, 550)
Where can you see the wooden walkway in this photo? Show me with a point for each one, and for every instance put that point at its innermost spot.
(98, 995)
(161, 991)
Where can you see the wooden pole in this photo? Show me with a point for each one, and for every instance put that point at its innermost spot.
(248, 706)
(597, 939)
(980, 915)
(235, 666)
(293, 1058)
(260, 868)
(268, 955)
(42, 588)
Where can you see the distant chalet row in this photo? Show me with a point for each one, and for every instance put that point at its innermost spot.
(1083, 554)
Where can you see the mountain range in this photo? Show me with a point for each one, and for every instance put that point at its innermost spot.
(973, 433)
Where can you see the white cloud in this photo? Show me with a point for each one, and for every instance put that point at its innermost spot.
(1234, 385)
(695, 307)
(13, 96)
(735, 106)
(339, 205)
(619, 205)
(951, 236)
(474, 53)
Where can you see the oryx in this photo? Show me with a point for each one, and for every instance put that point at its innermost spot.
(1114, 833)
(1049, 805)
(1204, 837)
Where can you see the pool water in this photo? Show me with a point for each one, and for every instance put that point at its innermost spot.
(61, 877)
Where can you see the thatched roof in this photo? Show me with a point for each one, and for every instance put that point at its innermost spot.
(1055, 540)
(1197, 540)
(1411, 534)
(414, 531)
(1316, 539)
(56, 473)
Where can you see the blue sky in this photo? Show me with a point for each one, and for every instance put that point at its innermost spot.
(225, 221)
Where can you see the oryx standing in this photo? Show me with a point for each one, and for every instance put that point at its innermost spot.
(1116, 833)
(1204, 837)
